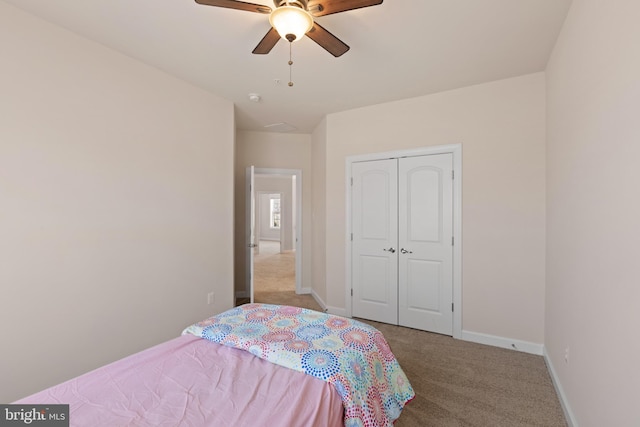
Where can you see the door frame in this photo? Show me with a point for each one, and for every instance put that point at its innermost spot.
(297, 206)
(456, 151)
(249, 223)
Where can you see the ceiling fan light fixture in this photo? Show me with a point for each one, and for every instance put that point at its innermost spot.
(291, 22)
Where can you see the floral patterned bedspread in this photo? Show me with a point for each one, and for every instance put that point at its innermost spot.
(351, 355)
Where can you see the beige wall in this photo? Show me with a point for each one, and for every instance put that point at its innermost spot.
(115, 193)
(593, 211)
(273, 151)
(501, 126)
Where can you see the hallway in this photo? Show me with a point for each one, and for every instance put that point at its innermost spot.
(275, 278)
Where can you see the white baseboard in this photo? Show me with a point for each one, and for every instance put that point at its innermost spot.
(331, 310)
(568, 414)
(511, 344)
(245, 294)
(337, 311)
(319, 300)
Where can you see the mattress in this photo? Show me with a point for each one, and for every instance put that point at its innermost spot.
(188, 381)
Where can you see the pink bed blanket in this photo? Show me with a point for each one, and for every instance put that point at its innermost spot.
(352, 356)
(189, 381)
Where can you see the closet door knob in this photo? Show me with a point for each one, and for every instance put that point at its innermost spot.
(404, 251)
(390, 250)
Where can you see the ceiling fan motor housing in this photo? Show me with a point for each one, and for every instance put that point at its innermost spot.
(302, 4)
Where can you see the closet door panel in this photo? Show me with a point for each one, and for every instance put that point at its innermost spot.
(424, 205)
(374, 262)
(374, 275)
(423, 298)
(425, 265)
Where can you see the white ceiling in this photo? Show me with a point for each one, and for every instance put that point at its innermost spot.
(399, 49)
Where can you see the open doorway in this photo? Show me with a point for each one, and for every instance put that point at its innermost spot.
(274, 258)
(274, 270)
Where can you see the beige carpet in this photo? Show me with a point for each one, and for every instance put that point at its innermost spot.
(457, 383)
(274, 278)
(274, 271)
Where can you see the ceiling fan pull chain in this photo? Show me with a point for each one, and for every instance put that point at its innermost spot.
(290, 64)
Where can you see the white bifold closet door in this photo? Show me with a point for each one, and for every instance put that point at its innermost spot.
(402, 250)
(374, 260)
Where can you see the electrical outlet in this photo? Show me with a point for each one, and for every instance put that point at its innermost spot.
(210, 298)
(566, 355)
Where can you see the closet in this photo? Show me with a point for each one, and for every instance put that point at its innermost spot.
(402, 241)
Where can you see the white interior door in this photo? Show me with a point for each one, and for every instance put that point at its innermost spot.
(250, 223)
(374, 261)
(425, 245)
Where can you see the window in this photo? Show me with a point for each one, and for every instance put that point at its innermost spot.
(274, 218)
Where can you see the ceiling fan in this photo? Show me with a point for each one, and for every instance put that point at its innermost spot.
(291, 20)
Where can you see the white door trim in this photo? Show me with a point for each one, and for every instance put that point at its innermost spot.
(250, 210)
(298, 207)
(456, 151)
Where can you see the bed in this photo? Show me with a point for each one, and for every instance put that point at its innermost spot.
(254, 365)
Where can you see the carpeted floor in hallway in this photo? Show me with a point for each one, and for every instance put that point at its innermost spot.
(274, 279)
